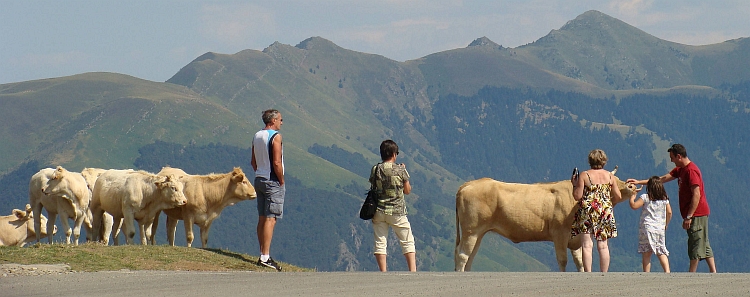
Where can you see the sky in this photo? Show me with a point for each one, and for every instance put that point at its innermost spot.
(152, 40)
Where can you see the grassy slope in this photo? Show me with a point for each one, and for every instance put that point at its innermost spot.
(101, 119)
(96, 257)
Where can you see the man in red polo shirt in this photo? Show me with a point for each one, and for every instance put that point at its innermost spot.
(693, 205)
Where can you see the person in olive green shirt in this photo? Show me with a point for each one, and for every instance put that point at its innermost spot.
(391, 182)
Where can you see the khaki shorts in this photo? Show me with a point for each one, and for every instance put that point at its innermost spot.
(698, 246)
(400, 225)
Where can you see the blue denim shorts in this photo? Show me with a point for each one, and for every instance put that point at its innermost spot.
(270, 198)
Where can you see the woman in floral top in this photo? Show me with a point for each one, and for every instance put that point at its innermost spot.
(595, 218)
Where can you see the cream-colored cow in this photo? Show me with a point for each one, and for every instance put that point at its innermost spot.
(521, 213)
(17, 229)
(207, 196)
(90, 175)
(134, 195)
(62, 192)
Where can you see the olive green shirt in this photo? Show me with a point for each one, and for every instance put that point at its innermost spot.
(388, 180)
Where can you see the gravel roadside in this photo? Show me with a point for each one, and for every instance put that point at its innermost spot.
(9, 270)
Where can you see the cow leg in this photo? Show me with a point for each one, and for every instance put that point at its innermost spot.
(37, 209)
(477, 243)
(189, 236)
(577, 255)
(129, 227)
(51, 217)
(146, 231)
(561, 253)
(77, 228)
(154, 226)
(97, 216)
(88, 218)
(466, 249)
(114, 230)
(142, 233)
(204, 234)
(66, 226)
(171, 230)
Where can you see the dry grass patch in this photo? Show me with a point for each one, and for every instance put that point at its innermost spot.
(98, 257)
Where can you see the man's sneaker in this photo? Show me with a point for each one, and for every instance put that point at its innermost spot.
(270, 263)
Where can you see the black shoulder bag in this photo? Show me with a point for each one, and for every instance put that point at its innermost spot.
(371, 202)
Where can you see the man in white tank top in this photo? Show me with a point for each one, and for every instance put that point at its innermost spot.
(268, 163)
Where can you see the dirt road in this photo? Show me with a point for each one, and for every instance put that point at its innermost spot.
(169, 283)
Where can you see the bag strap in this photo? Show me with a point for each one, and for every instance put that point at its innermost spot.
(372, 172)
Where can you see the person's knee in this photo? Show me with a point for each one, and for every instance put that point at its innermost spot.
(587, 244)
(602, 245)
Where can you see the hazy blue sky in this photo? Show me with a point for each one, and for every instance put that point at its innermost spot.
(153, 39)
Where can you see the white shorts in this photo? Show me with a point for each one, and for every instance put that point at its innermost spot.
(401, 227)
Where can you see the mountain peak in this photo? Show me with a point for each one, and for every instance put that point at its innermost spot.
(484, 41)
(316, 43)
(592, 18)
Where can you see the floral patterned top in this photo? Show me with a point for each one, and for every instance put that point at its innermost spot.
(595, 214)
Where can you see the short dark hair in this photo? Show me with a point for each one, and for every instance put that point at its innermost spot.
(387, 149)
(269, 115)
(678, 149)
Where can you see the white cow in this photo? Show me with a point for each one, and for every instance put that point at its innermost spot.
(17, 229)
(90, 175)
(207, 196)
(519, 212)
(68, 197)
(134, 195)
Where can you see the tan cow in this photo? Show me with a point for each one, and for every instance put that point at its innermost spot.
(90, 175)
(519, 212)
(134, 196)
(207, 196)
(17, 229)
(59, 192)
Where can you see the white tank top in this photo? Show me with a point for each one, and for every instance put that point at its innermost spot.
(264, 154)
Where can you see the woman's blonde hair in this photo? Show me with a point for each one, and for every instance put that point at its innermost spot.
(597, 159)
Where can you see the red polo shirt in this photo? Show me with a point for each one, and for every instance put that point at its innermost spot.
(687, 177)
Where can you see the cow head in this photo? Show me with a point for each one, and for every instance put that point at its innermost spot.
(626, 189)
(172, 189)
(26, 217)
(71, 186)
(240, 186)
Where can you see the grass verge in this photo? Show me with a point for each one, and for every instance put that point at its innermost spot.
(97, 257)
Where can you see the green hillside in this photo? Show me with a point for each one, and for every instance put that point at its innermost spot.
(526, 114)
(101, 119)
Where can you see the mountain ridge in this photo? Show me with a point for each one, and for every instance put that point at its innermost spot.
(515, 114)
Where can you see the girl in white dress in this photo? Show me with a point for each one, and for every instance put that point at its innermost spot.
(655, 216)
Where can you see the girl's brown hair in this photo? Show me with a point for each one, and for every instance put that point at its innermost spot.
(656, 189)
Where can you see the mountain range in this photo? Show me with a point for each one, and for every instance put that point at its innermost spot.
(525, 114)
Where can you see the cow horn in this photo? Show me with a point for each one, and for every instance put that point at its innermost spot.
(615, 170)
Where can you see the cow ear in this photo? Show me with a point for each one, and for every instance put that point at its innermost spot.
(160, 181)
(238, 178)
(58, 172)
(20, 214)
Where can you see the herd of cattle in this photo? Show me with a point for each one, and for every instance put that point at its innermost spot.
(106, 201)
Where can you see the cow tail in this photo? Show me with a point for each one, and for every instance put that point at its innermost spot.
(458, 231)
